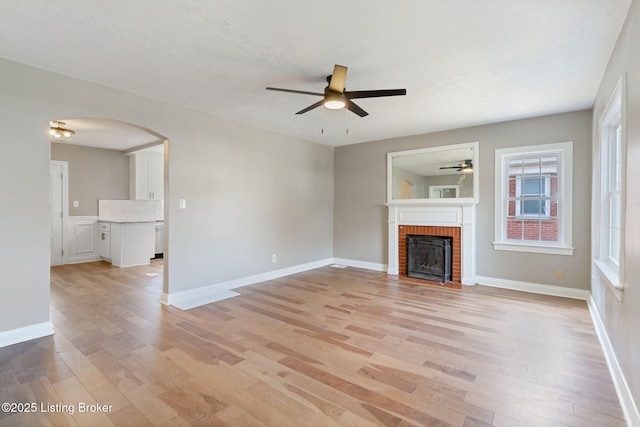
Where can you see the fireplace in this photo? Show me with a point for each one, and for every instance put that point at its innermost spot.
(429, 257)
(453, 233)
(445, 219)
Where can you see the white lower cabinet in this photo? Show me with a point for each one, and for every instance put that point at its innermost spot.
(104, 240)
(127, 244)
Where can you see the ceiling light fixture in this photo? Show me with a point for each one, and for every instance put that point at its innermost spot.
(334, 101)
(58, 130)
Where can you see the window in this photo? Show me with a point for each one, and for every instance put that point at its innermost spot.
(532, 196)
(613, 190)
(609, 190)
(533, 199)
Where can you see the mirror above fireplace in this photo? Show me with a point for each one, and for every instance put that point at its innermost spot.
(434, 175)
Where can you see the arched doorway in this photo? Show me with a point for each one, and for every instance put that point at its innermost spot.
(406, 190)
(104, 160)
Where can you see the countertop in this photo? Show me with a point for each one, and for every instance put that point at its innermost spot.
(127, 221)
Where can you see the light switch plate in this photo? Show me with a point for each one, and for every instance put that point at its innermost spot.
(183, 203)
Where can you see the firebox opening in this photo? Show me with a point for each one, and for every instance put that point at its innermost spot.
(429, 257)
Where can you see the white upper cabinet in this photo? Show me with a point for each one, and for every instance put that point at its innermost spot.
(147, 176)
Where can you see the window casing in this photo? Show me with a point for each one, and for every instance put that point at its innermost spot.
(534, 199)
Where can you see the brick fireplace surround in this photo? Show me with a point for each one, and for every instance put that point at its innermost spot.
(428, 230)
(447, 219)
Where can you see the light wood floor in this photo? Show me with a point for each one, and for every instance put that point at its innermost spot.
(327, 347)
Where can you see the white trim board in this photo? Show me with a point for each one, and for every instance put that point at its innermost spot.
(219, 291)
(534, 288)
(629, 408)
(361, 264)
(65, 206)
(26, 333)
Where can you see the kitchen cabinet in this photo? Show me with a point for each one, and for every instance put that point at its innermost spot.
(104, 241)
(128, 243)
(159, 238)
(147, 176)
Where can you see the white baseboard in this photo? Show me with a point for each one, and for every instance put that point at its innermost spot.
(81, 259)
(218, 291)
(534, 288)
(26, 333)
(360, 264)
(629, 408)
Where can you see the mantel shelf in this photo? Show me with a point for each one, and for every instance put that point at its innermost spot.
(431, 202)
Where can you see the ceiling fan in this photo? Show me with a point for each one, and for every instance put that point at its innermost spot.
(466, 165)
(335, 96)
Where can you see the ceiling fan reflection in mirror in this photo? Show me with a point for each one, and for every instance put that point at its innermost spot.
(335, 96)
(465, 165)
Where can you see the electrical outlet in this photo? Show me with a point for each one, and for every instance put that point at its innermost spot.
(183, 203)
(559, 274)
(274, 258)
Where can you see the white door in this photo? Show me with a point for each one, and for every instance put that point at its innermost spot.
(57, 197)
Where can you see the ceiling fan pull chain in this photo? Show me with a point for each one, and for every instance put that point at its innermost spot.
(346, 115)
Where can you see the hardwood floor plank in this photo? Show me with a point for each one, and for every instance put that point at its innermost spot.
(326, 347)
(151, 406)
(361, 393)
(74, 394)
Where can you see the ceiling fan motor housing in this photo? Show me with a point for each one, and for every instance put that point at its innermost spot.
(334, 100)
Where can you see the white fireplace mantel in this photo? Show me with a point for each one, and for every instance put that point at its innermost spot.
(454, 214)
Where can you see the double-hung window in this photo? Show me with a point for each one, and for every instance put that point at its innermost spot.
(533, 199)
(609, 190)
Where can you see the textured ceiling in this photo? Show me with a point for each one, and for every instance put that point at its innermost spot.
(462, 62)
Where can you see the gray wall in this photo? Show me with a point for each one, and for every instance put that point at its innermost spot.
(622, 318)
(250, 192)
(360, 231)
(94, 174)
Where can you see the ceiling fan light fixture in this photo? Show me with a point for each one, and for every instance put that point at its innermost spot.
(334, 101)
(58, 130)
(336, 97)
(334, 105)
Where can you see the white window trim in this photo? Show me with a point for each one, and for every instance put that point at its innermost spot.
(564, 246)
(613, 114)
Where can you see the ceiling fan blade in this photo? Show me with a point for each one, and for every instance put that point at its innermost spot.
(374, 93)
(351, 106)
(338, 78)
(450, 167)
(311, 107)
(295, 91)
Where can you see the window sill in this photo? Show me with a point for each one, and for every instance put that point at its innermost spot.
(536, 249)
(611, 277)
